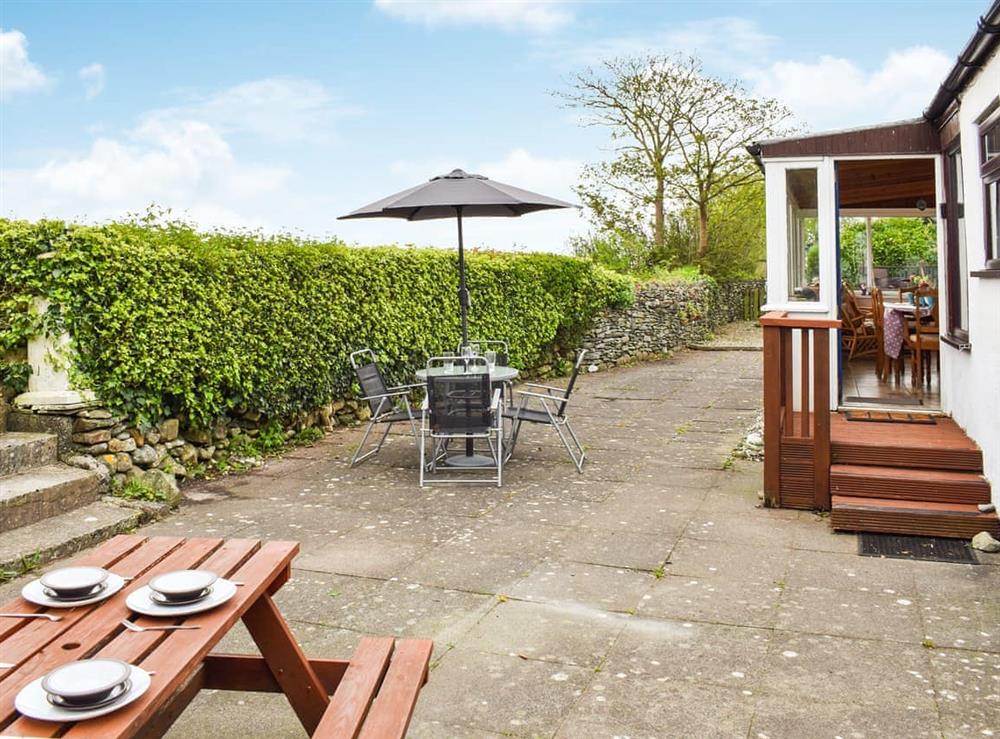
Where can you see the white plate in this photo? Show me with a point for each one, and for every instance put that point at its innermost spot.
(35, 593)
(33, 702)
(140, 602)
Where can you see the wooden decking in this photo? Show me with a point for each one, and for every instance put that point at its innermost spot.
(941, 445)
(907, 478)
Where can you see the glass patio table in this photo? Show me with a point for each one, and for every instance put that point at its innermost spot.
(499, 374)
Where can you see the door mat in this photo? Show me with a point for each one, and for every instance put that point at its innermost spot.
(925, 548)
(889, 417)
(891, 400)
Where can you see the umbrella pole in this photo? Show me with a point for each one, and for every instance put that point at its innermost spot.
(463, 291)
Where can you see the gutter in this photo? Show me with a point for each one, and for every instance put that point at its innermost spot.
(977, 51)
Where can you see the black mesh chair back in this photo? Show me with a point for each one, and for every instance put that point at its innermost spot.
(572, 381)
(460, 404)
(373, 384)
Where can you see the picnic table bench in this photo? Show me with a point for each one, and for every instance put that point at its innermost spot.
(371, 695)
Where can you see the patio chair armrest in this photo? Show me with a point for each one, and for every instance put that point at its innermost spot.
(386, 395)
(541, 396)
(546, 387)
(411, 386)
(495, 403)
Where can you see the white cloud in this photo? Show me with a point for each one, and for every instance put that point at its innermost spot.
(834, 92)
(182, 158)
(185, 165)
(281, 109)
(545, 231)
(17, 72)
(93, 80)
(727, 43)
(538, 16)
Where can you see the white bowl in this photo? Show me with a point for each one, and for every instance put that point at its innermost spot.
(183, 585)
(74, 582)
(86, 681)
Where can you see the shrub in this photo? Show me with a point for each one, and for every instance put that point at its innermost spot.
(164, 320)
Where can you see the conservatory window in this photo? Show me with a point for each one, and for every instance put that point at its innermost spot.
(801, 195)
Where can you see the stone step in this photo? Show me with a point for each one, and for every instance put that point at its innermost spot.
(41, 492)
(60, 536)
(22, 450)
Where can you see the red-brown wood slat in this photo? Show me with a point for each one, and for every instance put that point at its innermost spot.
(105, 555)
(180, 654)
(289, 665)
(804, 382)
(821, 431)
(31, 640)
(772, 415)
(349, 706)
(389, 716)
(88, 635)
(250, 673)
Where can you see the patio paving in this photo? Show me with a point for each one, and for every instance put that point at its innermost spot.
(648, 597)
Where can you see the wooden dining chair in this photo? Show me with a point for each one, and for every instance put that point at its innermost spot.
(924, 340)
(857, 333)
(883, 362)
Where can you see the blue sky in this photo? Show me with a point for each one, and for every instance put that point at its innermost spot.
(283, 115)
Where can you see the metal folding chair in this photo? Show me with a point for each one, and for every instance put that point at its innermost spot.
(389, 405)
(553, 401)
(461, 406)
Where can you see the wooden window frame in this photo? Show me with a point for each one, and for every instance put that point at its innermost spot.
(989, 172)
(959, 335)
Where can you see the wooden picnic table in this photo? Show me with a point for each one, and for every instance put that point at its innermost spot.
(370, 695)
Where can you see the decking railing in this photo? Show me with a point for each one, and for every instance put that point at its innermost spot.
(797, 424)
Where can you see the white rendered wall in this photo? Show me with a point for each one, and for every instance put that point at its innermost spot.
(970, 389)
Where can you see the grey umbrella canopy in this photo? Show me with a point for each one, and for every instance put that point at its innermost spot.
(457, 195)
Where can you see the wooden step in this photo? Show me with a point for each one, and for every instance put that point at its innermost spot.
(916, 518)
(939, 486)
(942, 445)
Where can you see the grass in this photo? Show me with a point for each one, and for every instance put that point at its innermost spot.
(135, 489)
(28, 563)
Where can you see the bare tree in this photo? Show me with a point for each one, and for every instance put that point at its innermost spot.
(715, 128)
(678, 134)
(636, 99)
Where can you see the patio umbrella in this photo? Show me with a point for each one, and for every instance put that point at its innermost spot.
(455, 195)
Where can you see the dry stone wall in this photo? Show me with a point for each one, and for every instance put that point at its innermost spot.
(667, 316)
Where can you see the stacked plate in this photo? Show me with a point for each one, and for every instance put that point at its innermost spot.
(181, 593)
(68, 587)
(83, 689)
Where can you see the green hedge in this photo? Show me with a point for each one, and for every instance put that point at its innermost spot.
(165, 320)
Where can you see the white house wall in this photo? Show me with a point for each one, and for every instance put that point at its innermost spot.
(970, 389)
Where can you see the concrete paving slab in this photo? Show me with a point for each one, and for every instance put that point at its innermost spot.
(972, 622)
(841, 670)
(550, 632)
(660, 707)
(778, 716)
(855, 613)
(711, 599)
(967, 688)
(446, 566)
(851, 572)
(632, 550)
(671, 651)
(593, 586)
(506, 695)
